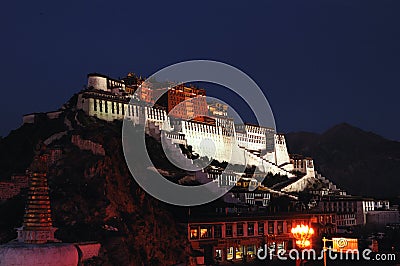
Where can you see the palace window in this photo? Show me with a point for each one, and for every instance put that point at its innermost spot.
(94, 104)
(101, 105)
(250, 229)
(217, 231)
(106, 106)
(239, 229)
(261, 228)
(113, 107)
(194, 232)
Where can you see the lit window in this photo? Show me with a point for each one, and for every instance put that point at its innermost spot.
(205, 232)
(239, 252)
(218, 254)
(229, 255)
(194, 232)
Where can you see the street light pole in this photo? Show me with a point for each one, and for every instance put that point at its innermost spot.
(325, 248)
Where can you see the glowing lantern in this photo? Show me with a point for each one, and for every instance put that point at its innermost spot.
(302, 234)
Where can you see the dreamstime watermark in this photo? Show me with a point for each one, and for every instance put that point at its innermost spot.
(134, 140)
(311, 254)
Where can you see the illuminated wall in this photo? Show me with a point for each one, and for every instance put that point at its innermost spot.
(187, 103)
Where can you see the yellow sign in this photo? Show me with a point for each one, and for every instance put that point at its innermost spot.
(345, 244)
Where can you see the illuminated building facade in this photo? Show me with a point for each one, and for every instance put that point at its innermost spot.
(218, 109)
(187, 103)
(239, 238)
(255, 138)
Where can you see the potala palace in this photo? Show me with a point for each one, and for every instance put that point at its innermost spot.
(184, 117)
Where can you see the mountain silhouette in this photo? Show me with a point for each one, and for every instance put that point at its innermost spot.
(361, 162)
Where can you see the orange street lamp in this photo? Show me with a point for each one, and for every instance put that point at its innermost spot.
(302, 234)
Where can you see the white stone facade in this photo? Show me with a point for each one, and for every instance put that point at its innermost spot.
(109, 100)
(253, 137)
(281, 152)
(219, 141)
(104, 83)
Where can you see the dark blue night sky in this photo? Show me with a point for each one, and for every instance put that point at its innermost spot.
(319, 62)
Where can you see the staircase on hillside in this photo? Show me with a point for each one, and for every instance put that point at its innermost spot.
(274, 168)
(175, 153)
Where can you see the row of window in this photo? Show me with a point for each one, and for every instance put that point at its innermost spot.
(115, 84)
(117, 109)
(337, 203)
(346, 222)
(155, 114)
(201, 101)
(252, 129)
(327, 219)
(185, 93)
(301, 163)
(204, 128)
(253, 140)
(215, 231)
(346, 216)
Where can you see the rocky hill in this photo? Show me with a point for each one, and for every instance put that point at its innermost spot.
(93, 196)
(361, 162)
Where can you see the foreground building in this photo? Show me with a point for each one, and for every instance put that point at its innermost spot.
(239, 238)
(353, 211)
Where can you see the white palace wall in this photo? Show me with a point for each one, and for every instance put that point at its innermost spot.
(208, 140)
(281, 153)
(252, 137)
(97, 82)
(220, 141)
(110, 110)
